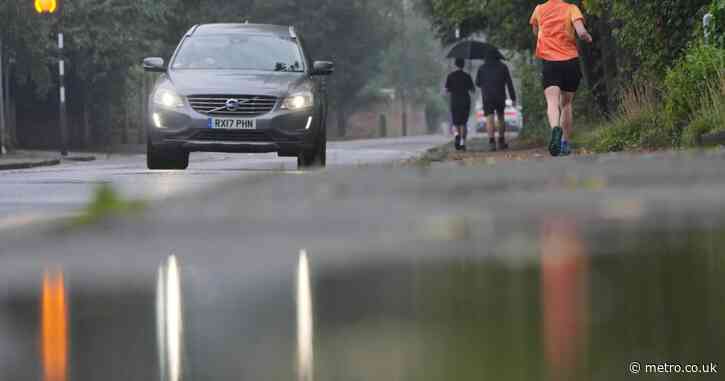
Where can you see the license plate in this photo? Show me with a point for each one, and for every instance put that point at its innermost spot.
(232, 124)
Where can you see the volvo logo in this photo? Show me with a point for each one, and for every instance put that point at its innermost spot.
(234, 104)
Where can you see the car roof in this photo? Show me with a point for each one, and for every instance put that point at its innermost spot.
(229, 28)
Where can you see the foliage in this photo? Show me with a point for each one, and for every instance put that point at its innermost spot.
(639, 123)
(413, 63)
(106, 40)
(710, 117)
(504, 21)
(106, 202)
(533, 102)
(436, 109)
(686, 85)
(418, 67)
(651, 34)
(717, 25)
(24, 35)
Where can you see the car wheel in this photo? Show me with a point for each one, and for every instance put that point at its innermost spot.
(316, 157)
(158, 158)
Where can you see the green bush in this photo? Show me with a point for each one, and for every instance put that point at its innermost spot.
(687, 83)
(638, 124)
(436, 110)
(629, 133)
(533, 103)
(717, 26)
(710, 117)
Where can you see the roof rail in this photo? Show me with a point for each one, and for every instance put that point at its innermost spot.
(192, 30)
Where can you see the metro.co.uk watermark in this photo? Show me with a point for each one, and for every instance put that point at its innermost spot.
(636, 368)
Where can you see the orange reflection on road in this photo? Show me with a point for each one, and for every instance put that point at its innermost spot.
(564, 298)
(54, 327)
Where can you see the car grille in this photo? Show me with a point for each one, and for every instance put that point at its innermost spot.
(232, 135)
(249, 105)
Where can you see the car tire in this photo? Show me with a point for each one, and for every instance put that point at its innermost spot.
(316, 157)
(158, 158)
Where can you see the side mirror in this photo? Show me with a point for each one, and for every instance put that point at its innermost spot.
(154, 65)
(323, 68)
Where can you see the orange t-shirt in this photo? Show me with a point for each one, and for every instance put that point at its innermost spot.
(557, 37)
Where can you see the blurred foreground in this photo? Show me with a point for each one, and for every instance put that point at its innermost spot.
(558, 270)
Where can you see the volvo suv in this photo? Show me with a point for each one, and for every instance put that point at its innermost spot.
(245, 88)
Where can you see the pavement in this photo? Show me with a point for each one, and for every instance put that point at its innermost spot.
(24, 159)
(27, 160)
(508, 270)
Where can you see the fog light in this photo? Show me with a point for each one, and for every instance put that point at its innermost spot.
(157, 120)
(309, 123)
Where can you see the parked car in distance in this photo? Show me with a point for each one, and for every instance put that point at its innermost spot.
(512, 116)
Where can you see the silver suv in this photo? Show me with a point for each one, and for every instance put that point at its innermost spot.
(237, 88)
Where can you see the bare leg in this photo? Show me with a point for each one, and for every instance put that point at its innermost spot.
(490, 127)
(502, 126)
(553, 102)
(462, 131)
(567, 114)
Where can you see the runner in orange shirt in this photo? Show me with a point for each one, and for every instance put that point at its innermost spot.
(556, 24)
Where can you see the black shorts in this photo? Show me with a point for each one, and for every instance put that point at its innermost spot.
(497, 106)
(564, 74)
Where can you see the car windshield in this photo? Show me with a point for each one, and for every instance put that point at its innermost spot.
(268, 53)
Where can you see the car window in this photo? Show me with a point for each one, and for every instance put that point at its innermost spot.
(268, 53)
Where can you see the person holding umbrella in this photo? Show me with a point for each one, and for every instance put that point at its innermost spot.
(459, 86)
(555, 25)
(494, 78)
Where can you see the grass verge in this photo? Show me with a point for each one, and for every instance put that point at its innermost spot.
(106, 202)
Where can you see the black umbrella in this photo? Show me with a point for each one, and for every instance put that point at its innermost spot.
(474, 50)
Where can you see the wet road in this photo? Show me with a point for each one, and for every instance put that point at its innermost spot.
(42, 193)
(566, 269)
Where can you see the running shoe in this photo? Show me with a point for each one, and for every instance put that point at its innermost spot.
(565, 148)
(555, 143)
(457, 142)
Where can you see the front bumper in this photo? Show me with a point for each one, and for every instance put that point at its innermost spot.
(284, 132)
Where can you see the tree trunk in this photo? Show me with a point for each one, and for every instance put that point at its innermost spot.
(12, 112)
(126, 125)
(108, 129)
(609, 59)
(2, 99)
(87, 136)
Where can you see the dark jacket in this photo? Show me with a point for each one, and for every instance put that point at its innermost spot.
(493, 78)
(460, 85)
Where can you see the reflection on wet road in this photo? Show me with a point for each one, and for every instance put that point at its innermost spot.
(564, 298)
(568, 313)
(383, 274)
(54, 327)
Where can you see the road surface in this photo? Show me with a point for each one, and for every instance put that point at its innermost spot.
(578, 268)
(43, 193)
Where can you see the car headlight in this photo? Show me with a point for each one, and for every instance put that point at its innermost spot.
(298, 101)
(168, 98)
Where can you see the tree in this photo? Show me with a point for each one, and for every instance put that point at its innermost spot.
(106, 40)
(652, 33)
(24, 56)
